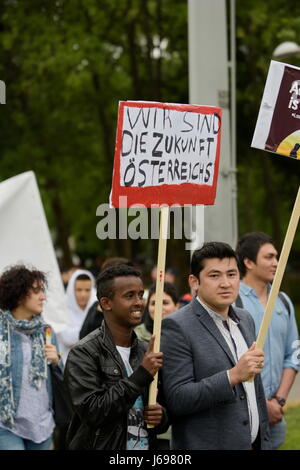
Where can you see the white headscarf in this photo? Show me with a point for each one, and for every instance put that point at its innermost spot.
(70, 294)
(70, 335)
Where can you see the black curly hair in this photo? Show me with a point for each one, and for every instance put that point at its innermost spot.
(16, 283)
(105, 280)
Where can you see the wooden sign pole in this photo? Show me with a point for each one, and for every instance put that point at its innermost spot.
(279, 273)
(160, 279)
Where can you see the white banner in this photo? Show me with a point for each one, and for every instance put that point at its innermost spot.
(25, 238)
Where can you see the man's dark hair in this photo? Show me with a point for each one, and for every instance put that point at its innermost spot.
(114, 261)
(169, 289)
(248, 246)
(210, 250)
(105, 280)
(16, 283)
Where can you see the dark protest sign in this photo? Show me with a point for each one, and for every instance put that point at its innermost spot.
(166, 154)
(278, 124)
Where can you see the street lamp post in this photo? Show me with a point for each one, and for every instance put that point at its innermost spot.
(209, 85)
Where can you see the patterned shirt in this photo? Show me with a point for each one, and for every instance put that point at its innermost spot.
(137, 435)
(33, 420)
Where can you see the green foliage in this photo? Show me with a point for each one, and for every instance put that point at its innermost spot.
(66, 66)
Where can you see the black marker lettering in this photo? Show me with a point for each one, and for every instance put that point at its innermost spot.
(170, 172)
(141, 171)
(131, 167)
(209, 140)
(157, 153)
(131, 137)
(207, 172)
(154, 163)
(176, 165)
(188, 123)
(183, 171)
(168, 149)
(217, 119)
(160, 172)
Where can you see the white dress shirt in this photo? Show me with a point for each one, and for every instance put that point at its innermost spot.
(238, 347)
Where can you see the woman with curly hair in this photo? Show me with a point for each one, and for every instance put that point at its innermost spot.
(26, 415)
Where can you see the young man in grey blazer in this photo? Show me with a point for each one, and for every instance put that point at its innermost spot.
(209, 357)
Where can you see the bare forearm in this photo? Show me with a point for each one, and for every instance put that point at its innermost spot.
(287, 380)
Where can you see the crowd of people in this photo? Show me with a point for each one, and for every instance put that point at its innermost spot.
(216, 389)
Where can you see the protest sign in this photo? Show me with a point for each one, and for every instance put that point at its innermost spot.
(166, 154)
(25, 238)
(278, 131)
(278, 123)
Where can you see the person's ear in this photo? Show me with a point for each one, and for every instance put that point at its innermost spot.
(193, 282)
(105, 304)
(249, 264)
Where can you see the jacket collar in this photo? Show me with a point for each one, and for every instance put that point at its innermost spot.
(107, 337)
(206, 319)
(108, 341)
(210, 325)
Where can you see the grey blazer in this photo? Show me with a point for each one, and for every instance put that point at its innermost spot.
(206, 412)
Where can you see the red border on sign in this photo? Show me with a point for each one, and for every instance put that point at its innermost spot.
(181, 194)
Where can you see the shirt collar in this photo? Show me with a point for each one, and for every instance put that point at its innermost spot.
(217, 316)
(247, 290)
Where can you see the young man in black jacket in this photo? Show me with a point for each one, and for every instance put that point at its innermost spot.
(108, 373)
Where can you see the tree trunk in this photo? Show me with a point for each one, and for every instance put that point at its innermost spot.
(62, 231)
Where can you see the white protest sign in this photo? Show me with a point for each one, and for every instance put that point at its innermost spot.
(25, 238)
(166, 154)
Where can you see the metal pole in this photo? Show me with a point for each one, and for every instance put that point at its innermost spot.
(209, 84)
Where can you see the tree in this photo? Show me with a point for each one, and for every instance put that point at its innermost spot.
(66, 65)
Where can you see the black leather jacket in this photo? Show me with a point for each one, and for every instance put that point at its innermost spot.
(101, 393)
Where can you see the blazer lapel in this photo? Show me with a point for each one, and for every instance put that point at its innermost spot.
(210, 325)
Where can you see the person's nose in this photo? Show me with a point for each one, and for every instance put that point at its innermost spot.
(139, 301)
(225, 281)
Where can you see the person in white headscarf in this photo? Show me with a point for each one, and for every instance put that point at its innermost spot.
(80, 296)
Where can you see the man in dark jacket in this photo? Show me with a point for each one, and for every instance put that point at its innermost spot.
(109, 371)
